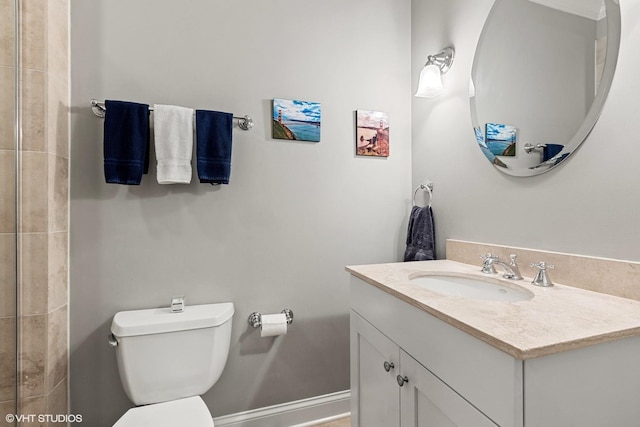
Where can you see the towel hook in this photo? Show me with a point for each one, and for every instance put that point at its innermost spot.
(428, 187)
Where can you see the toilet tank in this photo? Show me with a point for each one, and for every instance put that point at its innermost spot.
(165, 356)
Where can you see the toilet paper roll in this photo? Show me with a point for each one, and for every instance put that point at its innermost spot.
(273, 324)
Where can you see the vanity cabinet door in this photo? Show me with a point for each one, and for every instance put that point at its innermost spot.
(375, 395)
(425, 401)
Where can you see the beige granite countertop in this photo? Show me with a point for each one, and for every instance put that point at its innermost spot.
(556, 319)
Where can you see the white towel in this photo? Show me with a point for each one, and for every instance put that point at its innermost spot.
(173, 130)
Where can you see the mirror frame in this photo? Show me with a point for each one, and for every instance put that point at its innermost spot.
(611, 60)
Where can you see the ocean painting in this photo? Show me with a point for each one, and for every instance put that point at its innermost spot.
(485, 150)
(296, 120)
(372, 133)
(501, 139)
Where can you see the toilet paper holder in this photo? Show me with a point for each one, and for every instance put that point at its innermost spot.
(255, 318)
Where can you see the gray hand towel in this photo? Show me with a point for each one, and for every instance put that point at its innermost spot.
(421, 235)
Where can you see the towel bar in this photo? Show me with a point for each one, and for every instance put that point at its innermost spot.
(528, 148)
(99, 109)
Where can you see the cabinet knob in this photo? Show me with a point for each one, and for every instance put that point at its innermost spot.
(388, 366)
(401, 380)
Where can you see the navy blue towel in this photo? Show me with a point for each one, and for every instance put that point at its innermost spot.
(550, 151)
(213, 134)
(421, 235)
(126, 142)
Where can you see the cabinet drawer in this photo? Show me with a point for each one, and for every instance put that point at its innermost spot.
(485, 376)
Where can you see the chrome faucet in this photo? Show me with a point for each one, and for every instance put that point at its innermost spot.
(511, 270)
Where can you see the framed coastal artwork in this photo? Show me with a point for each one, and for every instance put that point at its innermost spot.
(296, 120)
(372, 133)
(485, 150)
(500, 139)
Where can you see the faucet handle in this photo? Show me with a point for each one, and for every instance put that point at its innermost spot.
(487, 263)
(487, 256)
(542, 265)
(541, 278)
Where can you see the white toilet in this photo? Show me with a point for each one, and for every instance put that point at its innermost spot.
(167, 360)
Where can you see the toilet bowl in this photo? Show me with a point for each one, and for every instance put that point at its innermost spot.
(166, 360)
(190, 411)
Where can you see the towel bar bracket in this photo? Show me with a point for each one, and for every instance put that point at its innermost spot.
(244, 123)
(99, 109)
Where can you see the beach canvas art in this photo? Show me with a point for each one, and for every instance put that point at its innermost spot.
(485, 150)
(500, 139)
(372, 133)
(296, 120)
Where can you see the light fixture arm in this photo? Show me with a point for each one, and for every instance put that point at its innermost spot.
(443, 60)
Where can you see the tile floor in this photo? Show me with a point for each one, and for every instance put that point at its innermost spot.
(342, 422)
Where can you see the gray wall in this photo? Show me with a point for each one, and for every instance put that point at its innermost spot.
(590, 205)
(295, 213)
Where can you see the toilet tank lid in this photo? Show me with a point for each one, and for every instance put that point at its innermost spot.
(161, 320)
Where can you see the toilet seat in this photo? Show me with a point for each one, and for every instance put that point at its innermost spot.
(191, 411)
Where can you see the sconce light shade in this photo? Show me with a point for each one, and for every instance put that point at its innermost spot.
(430, 83)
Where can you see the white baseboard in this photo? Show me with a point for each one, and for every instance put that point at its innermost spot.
(300, 413)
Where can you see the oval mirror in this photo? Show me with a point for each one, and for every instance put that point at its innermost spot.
(541, 73)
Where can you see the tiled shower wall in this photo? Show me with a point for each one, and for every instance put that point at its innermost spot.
(43, 200)
(7, 212)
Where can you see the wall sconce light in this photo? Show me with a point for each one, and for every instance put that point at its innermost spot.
(430, 83)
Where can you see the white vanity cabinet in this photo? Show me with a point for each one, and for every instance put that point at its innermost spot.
(395, 390)
(456, 379)
(453, 376)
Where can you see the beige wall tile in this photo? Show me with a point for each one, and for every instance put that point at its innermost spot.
(7, 27)
(34, 97)
(32, 406)
(58, 270)
(57, 403)
(58, 39)
(32, 361)
(57, 347)
(7, 358)
(34, 273)
(7, 191)
(58, 117)
(7, 106)
(7, 407)
(34, 189)
(7, 275)
(58, 78)
(34, 31)
(58, 193)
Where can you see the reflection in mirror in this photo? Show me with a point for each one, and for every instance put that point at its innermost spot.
(541, 73)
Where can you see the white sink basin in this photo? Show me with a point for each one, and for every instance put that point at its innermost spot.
(472, 288)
